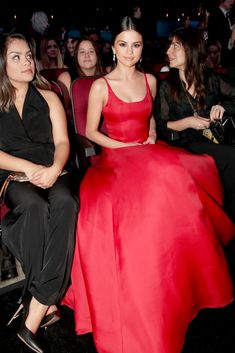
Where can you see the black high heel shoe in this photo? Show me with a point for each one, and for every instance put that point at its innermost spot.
(50, 319)
(24, 334)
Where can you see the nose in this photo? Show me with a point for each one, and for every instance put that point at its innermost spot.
(130, 49)
(168, 51)
(27, 61)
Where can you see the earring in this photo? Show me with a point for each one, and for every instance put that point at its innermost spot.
(140, 61)
(114, 57)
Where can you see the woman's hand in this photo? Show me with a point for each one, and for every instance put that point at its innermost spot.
(198, 123)
(217, 112)
(151, 140)
(31, 168)
(45, 177)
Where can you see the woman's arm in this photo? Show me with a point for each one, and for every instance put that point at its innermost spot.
(152, 125)
(46, 177)
(65, 79)
(97, 99)
(164, 122)
(16, 164)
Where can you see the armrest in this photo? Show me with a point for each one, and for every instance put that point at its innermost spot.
(84, 147)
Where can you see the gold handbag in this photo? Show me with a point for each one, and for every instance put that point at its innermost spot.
(14, 176)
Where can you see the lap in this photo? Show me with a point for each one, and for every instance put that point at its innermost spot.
(27, 193)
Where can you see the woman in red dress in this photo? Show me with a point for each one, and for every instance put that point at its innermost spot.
(148, 254)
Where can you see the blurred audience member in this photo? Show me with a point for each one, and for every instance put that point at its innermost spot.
(39, 27)
(220, 24)
(51, 57)
(213, 54)
(71, 39)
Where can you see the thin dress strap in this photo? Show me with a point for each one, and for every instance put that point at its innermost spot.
(148, 91)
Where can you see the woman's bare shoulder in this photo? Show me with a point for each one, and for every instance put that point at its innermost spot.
(49, 95)
(99, 86)
(151, 79)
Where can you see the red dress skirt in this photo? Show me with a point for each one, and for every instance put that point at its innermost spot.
(150, 233)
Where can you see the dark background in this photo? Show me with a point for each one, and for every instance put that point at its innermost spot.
(78, 13)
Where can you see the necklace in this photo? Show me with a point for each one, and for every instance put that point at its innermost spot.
(195, 113)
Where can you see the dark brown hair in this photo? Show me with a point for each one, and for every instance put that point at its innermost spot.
(99, 68)
(195, 52)
(7, 90)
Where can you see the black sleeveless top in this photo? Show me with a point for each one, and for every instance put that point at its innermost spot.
(31, 137)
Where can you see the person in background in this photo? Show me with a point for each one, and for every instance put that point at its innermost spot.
(186, 21)
(189, 100)
(71, 39)
(87, 59)
(107, 56)
(34, 142)
(213, 59)
(39, 27)
(148, 255)
(220, 24)
(51, 57)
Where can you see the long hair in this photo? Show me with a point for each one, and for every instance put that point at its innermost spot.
(45, 61)
(195, 53)
(7, 90)
(99, 68)
(126, 24)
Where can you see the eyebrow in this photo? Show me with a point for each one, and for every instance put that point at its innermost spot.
(123, 41)
(19, 52)
(87, 48)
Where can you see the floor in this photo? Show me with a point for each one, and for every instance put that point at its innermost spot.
(212, 331)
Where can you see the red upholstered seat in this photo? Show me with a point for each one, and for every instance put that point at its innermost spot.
(86, 150)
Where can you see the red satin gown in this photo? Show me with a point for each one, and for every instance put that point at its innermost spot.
(148, 253)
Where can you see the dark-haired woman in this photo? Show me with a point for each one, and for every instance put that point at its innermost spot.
(189, 100)
(39, 228)
(148, 253)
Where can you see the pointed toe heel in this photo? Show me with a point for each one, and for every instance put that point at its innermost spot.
(30, 339)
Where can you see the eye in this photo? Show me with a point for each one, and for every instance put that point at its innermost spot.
(137, 45)
(16, 57)
(92, 52)
(30, 56)
(175, 46)
(122, 44)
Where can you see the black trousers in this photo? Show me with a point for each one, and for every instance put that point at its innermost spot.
(40, 232)
(224, 156)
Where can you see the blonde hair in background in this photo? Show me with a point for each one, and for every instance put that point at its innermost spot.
(40, 22)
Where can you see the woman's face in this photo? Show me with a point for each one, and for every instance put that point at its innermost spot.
(52, 48)
(176, 55)
(128, 47)
(71, 43)
(86, 56)
(20, 65)
(214, 54)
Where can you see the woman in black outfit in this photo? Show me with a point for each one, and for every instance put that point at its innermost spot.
(189, 99)
(39, 229)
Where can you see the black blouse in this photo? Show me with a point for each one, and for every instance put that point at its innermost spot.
(219, 91)
(30, 137)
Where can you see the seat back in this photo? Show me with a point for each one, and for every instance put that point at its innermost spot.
(80, 89)
(57, 89)
(3, 211)
(52, 74)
